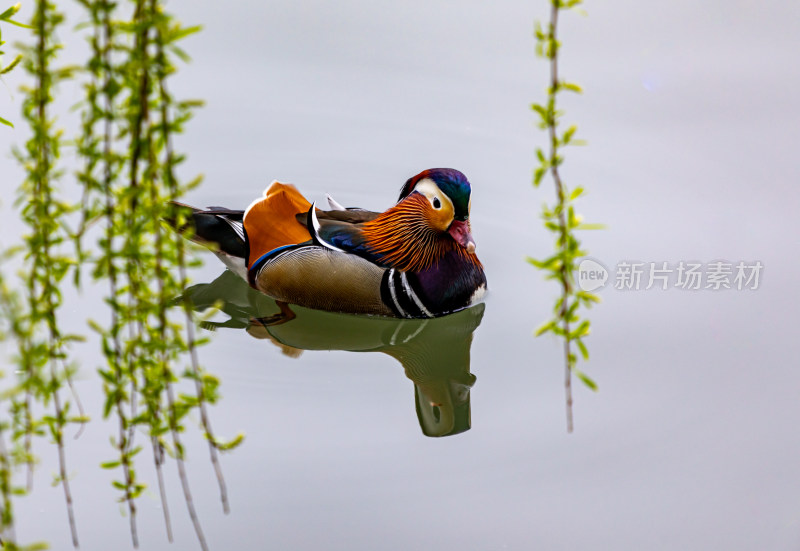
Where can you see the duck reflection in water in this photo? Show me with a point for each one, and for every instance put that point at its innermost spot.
(435, 353)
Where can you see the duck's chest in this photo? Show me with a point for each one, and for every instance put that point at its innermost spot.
(451, 284)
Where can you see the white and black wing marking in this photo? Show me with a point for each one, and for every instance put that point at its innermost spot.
(222, 227)
(236, 225)
(333, 204)
(314, 228)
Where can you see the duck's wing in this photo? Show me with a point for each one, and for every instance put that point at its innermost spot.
(347, 216)
(341, 231)
(339, 228)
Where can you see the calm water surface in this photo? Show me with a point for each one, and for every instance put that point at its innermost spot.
(691, 443)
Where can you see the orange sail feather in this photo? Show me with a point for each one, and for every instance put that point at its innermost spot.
(270, 220)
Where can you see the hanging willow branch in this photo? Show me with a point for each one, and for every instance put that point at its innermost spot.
(561, 218)
(42, 343)
(102, 166)
(205, 384)
(129, 179)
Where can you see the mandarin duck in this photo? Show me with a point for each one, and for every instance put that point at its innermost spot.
(415, 260)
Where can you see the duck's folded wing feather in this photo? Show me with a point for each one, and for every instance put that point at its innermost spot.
(339, 235)
(349, 216)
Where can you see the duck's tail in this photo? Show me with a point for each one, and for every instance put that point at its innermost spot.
(220, 229)
(239, 238)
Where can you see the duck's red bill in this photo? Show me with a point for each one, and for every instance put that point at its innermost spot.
(459, 230)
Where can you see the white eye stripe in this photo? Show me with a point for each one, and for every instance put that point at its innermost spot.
(431, 191)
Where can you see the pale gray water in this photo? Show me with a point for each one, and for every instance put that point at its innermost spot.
(691, 115)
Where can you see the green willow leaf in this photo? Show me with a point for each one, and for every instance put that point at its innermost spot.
(544, 328)
(582, 348)
(572, 87)
(584, 226)
(588, 381)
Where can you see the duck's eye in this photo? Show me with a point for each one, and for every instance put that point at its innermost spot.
(436, 203)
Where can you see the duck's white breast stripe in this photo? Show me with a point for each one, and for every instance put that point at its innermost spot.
(410, 292)
(393, 294)
(477, 295)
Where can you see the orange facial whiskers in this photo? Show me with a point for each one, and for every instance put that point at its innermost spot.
(404, 237)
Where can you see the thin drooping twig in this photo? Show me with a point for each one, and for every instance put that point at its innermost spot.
(28, 445)
(187, 493)
(62, 467)
(565, 278)
(212, 447)
(76, 399)
(158, 458)
(561, 218)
